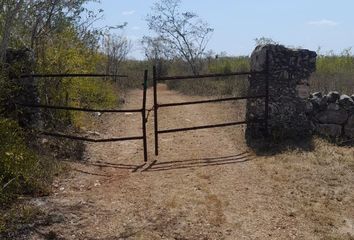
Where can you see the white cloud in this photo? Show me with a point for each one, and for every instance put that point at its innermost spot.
(126, 13)
(324, 22)
(136, 28)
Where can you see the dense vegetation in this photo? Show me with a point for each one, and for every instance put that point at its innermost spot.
(60, 35)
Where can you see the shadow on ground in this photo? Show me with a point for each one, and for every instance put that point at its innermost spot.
(270, 147)
(156, 166)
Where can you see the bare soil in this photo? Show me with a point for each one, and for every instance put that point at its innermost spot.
(205, 184)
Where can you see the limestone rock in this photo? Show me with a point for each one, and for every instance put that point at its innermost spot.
(333, 107)
(316, 102)
(324, 102)
(317, 95)
(332, 117)
(349, 127)
(22, 61)
(290, 70)
(303, 91)
(329, 130)
(309, 107)
(333, 114)
(350, 122)
(346, 101)
(333, 96)
(349, 132)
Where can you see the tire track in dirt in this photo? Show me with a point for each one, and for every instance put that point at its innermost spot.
(203, 185)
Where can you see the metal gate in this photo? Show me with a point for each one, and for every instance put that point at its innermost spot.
(141, 110)
(157, 105)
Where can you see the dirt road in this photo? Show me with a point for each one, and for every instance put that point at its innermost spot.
(204, 185)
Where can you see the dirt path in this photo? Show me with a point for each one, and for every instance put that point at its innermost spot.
(204, 185)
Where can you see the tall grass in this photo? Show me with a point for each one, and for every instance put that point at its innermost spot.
(221, 86)
(334, 73)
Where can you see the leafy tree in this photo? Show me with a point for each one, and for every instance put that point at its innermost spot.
(183, 34)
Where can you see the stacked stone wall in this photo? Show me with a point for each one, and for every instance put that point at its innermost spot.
(332, 114)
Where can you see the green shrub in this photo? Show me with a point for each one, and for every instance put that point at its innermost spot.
(67, 53)
(86, 93)
(6, 90)
(19, 166)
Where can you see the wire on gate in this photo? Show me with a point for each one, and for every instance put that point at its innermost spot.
(148, 113)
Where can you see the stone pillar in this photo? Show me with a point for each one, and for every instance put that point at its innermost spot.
(289, 72)
(24, 90)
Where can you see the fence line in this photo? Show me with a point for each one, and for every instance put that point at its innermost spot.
(86, 139)
(71, 75)
(208, 101)
(79, 109)
(208, 75)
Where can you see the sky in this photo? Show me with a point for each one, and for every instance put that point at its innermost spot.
(310, 24)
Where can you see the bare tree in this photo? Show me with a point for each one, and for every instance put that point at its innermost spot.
(155, 48)
(46, 16)
(156, 51)
(183, 33)
(116, 50)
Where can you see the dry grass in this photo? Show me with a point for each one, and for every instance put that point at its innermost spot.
(333, 73)
(204, 185)
(318, 186)
(18, 220)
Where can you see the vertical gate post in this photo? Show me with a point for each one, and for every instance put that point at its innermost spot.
(21, 62)
(266, 101)
(156, 129)
(143, 115)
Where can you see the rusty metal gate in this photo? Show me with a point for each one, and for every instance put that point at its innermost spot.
(141, 110)
(157, 105)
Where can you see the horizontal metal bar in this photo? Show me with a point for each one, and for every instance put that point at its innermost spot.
(81, 109)
(209, 101)
(206, 126)
(89, 139)
(208, 75)
(72, 75)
